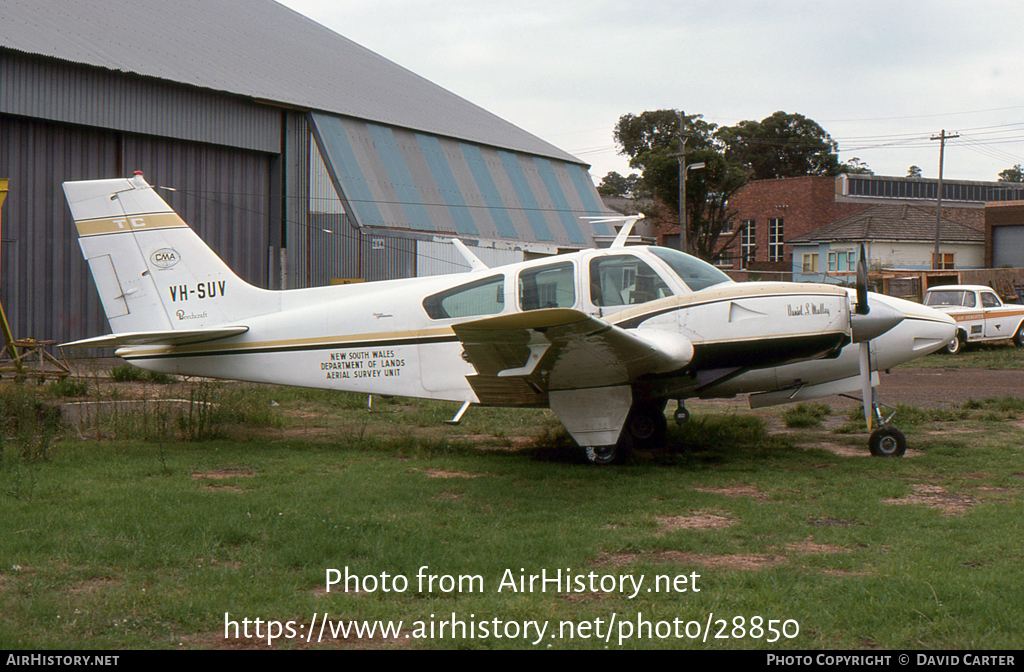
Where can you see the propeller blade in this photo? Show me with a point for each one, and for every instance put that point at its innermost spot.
(862, 282)
(865, 381)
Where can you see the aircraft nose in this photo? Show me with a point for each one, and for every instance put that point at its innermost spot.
(922, 331)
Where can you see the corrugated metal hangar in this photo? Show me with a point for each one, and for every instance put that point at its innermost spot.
(299, 156)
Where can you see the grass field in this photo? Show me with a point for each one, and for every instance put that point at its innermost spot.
(146, 531)
(997, 355)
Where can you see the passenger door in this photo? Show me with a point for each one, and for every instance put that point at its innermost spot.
(997, 323)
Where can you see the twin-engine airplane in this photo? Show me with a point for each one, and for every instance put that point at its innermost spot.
(603, 337)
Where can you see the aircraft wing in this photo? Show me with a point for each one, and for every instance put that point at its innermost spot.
(175, 337)
(520, 357)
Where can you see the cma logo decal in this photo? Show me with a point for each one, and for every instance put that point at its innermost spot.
(165, 258)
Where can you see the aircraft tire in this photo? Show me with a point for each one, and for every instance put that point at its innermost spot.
(887, 441)
(603, 455)
(647, 425)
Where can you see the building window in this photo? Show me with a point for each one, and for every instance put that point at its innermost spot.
(748, 243)
(945, 261)
(775, 236)
(851, 261)
(810, 264)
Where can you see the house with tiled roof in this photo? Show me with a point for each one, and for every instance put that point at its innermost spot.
(895, 236)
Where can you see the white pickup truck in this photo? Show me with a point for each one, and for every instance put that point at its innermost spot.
(979, 314)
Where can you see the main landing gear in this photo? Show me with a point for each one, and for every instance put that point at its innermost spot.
(646, 427)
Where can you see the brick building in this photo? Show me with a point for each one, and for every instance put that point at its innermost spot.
(768, 213)
(1004, 235)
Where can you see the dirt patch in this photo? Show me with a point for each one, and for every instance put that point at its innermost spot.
(579, 598)
(831, 522)
(222, 488)
(447, 496)
(725, 562)
(809, 547)
(844, 572)
(92, 585)
(843, 450)
(701, 520)
(441, 473)
(221, 474)
(936, 497)
(736, 491)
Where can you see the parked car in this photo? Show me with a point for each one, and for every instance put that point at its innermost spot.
(979, 314)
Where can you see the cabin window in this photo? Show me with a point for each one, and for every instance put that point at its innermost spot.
(483, 297)
(552, 286)
(624, 280)
(695, 273)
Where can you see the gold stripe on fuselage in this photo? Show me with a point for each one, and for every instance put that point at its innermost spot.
(339, 341)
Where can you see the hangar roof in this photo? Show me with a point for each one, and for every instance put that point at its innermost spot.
(255, 48)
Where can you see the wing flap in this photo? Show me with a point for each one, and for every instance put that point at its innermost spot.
(562, 349)
(175, 337)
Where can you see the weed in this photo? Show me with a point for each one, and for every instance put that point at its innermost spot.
(68, 387)
(126, 373)
(29, 426)
(806, 415)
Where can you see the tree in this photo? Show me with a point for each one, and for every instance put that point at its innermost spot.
(914, 171)
(614, 184)
(652, 141)
(855, 167)
(782, 145)
(1015, 174)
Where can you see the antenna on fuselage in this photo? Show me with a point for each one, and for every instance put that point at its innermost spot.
(628, 221)
(474, 261)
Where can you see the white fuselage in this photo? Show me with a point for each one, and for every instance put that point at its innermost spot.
(377, 338)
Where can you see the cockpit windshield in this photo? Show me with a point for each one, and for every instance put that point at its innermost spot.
(695, 273)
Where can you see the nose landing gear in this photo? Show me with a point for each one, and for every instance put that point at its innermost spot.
(886, 440)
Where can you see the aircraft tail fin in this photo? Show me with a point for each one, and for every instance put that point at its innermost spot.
(153, 273)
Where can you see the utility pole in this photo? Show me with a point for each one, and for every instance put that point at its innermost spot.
(684, 231)
(942, 137)
(684, 235)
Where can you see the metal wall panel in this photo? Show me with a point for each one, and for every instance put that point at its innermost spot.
(45, 285)
(441, 258)
(297, 192)
(386, 257)
(75, 94)
(1007, 246)
(331, 250)
(223, 194)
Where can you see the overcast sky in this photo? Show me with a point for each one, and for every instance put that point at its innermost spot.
(881, 77)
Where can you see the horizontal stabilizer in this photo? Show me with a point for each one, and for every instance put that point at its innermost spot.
(176, 337)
